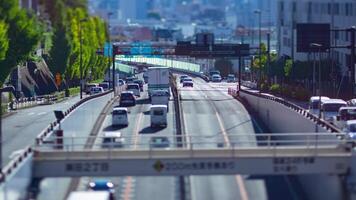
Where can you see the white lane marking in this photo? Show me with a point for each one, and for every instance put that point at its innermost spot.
(42, 113)
(31, 113)
(240, 183)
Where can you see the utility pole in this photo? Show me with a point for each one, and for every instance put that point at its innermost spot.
(352, 59)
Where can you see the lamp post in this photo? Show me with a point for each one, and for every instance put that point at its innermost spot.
(318, 46)
(259, 13)
(81, 56)
(109, 14)
(5, 89)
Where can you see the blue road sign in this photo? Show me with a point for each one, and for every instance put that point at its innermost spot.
(108, 49)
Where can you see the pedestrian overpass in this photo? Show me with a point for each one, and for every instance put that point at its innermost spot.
(307, 153)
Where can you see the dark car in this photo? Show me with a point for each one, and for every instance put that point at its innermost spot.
(127, 98)
(140, 83)
(104, 85)
(181, 78)
(188, 84)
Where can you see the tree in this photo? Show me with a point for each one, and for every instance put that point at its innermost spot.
(24, 34)
(224, 66)
(4, 40)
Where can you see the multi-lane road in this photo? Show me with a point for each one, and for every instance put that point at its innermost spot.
(210, 117)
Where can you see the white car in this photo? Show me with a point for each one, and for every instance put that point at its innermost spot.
(350, 129)
(330, 108)
(120, 116)
(112, 139)
(314, 104)
(96, 90)
(135, 88)
(216, 78)
(158, 115)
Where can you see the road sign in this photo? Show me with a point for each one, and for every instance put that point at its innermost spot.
(58, 79)
(308, 33)
(217, 50)
(108, 49)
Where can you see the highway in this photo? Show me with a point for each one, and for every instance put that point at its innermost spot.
(79, 123)
(137, 135)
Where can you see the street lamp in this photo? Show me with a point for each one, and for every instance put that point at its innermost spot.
(5, 89)
(81, 57)
(318, 46)
(259, 13)
(109, 14)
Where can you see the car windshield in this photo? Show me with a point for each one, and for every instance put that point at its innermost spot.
(119, 112)
(126, 96)
(332, 107)
(352, 128)
(132, 87)
(158, 112)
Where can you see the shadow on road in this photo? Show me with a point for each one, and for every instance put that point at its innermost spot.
(113, 128)
(150, 130)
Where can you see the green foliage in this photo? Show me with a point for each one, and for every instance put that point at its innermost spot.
(71, 19)
(4, 41)
(288, 67)
(224, 66)
(24, 34)
(275, 88)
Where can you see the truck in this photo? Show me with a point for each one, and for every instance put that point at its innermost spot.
(158, 79)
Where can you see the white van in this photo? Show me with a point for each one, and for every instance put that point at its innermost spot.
(89, 195)
(314, 104)
(135, 88)
(119, 117)
(330, 108)
(344, 114)
(158, 115)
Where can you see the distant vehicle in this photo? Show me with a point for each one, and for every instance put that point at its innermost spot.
(158, 115)
(96, 90)
(140, 83)
(351, 102)
(135, 88)
(104, 85)
(90, 195)
(314, 104)
(214, 72)
(120, 116)
(231, 78)
(181, 78)
(89, 86)
(130, 79)
(112, 139)
(188, 84)
(103, 185)
(350, 129)
(159, 142)
(187, 79)
(216, 78)
(158, 79)
(127, 98)
(121, 82)
(330, 108)
(344, 114)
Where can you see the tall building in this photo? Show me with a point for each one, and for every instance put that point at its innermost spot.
(133, 10)
(340, 14)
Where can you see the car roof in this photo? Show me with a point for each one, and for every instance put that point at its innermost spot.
(316, 98)
(158, 106)
(336, 101)
(120, 108)
(348, 108)
(112, 134)
(127, 92)
(132, 84)
(188, 82)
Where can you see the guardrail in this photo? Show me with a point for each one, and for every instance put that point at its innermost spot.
(298, 109)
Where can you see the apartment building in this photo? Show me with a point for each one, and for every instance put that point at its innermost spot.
(341, 14)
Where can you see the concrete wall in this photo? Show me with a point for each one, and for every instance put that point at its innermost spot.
(280, 118)
(15, 186)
